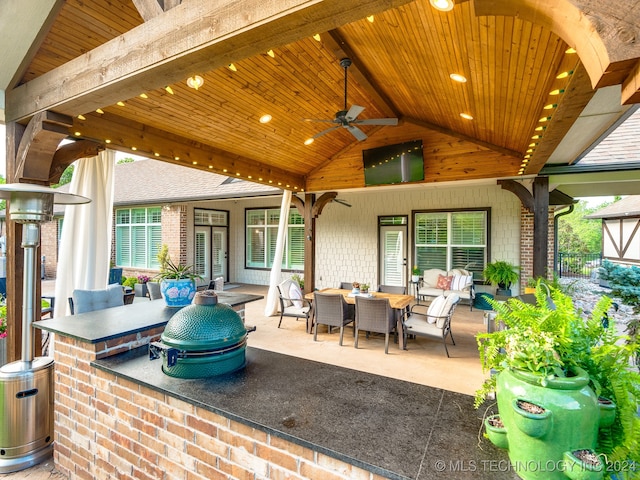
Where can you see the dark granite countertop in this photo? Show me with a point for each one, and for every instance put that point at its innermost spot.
(397, 429)
(109, 323)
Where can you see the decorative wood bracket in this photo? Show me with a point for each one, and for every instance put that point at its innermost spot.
(38, 145)
(519, 191)
(69, 153)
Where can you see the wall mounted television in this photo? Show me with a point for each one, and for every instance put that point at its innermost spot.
(391, 164)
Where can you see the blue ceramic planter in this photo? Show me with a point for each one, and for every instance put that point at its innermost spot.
(178, 293)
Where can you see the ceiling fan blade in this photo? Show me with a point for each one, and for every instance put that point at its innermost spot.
(377, 121)
(356, 132)
(353, 112)
(325, 131)
(322, 120)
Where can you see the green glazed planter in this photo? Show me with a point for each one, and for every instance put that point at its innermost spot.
(537, 442)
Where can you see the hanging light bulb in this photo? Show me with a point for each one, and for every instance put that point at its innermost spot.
(195, 82)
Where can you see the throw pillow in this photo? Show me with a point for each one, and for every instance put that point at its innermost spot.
(295, 294)
(459, 282)
(435, 308)
(446, 308)
(444, 283)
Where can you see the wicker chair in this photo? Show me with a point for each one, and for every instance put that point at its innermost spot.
(293, 307)
(435, 322)
(375, 315)
(332, 310)
(398, 289)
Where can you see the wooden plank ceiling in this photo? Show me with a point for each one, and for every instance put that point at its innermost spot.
(401, 66)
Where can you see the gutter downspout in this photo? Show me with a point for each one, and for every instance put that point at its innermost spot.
(555, 235)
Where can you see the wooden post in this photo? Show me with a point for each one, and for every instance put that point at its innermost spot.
(541, 226)
(309, 243)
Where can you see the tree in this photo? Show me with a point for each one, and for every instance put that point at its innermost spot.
(577, 234)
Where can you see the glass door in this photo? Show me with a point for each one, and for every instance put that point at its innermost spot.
(393, 254)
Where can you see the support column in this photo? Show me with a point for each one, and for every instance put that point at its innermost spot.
(540, 226)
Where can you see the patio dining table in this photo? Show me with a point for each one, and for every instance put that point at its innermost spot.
(397, 301)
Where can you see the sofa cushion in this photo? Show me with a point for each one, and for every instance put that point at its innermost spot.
(430, 292)
(430, 277)
(90, 300)
(444, 282)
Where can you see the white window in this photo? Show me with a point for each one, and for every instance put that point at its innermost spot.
(455, 239)
(262, 235)
(138, 237)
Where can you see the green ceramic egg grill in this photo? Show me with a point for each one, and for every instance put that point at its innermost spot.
(204, 339)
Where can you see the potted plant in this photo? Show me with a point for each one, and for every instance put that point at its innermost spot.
(415, 274)
(177, 282)
(563, 386)
(503, 274)
(140, 286)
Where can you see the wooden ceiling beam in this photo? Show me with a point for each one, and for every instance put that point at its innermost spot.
(341, 49)
(148, 9)
(123, 134)
(157, 53)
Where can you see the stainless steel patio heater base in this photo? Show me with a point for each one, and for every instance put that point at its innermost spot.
(26, 386)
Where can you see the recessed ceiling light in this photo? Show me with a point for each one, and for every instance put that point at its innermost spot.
(144, 95)
(81, 117)
(169, 89)
(442, 5)
(120, 104)
(266, 118)
(370, 18)
(156, 154)
(316, 37)
(557, 91)
(232, 67)
(564, 74)
(308, 141)
(570, 50)
(550, 106)
(544, 119)
(107, 141)
(77, 134)
(176, 158)
(134, 148)
(466, 116)
(271, 54)
(195, 82)
(99, 110)
(458, 78)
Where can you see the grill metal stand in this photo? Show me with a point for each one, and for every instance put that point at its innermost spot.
(26, 386)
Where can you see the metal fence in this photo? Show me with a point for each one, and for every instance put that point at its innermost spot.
(578, 265)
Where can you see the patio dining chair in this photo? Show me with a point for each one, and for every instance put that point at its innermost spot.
(82, 301)
(435, 322)
(375, 315)
(332, 310)
(398, 289)
(293, 303)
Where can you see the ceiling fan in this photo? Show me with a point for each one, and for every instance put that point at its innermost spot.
(348, 118)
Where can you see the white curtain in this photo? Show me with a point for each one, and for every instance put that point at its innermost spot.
(271, 305)
(85, 242)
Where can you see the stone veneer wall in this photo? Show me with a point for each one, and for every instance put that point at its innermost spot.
(110, 427)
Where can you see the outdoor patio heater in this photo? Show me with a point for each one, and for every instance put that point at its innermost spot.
(26, 386)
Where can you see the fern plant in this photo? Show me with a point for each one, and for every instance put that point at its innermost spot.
(552, 342)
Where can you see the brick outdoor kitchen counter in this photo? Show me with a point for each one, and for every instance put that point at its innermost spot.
(118, 414)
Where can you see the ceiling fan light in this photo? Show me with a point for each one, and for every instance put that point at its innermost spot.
(456, 77)
(195, 82)
(308, 141)
(442, 5)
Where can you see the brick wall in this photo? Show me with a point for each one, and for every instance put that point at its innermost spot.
(174, 231)
(526, 246)
(49, 247)
(110, 427)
